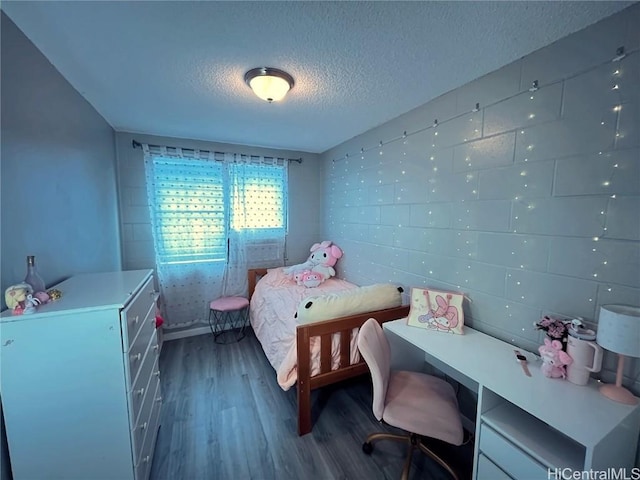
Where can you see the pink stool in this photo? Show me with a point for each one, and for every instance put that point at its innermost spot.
(231, 312)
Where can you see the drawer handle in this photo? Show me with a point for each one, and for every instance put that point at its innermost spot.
(143, 426)
(157, 374)
(146, 459)
(156, 347)
(140, 391)
(135, 320)
(136, 357)
(159, 399)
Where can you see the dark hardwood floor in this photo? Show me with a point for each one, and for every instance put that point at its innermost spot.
(225, 417)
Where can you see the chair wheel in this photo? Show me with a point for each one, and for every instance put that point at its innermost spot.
(367, 448)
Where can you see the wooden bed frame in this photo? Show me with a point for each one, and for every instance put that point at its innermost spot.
(325, 330)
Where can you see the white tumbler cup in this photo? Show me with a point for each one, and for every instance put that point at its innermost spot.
(586, 355)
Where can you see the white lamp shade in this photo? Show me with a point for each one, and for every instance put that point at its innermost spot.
(619, 329)
(269, 88)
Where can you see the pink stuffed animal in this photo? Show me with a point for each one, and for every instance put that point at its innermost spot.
(325, 257)
(554, 359)
(311, 279)
(321, 262)
(298, 276)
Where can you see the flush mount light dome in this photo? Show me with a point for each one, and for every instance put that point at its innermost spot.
(270, 84)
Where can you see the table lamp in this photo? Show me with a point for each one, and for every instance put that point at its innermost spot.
(619, 332)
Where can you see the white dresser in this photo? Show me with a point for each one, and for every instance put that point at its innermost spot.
(80, 382)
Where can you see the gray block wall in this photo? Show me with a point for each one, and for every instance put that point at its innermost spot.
(530, 204)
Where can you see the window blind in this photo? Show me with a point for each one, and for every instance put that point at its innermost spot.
(188, 205)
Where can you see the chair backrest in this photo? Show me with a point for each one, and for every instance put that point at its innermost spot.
(374, 348)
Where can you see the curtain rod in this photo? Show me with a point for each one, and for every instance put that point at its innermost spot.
(136, 144)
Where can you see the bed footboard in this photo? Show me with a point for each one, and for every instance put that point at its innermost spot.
(327, 376)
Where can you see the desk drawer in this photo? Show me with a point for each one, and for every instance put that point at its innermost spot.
(509, 457)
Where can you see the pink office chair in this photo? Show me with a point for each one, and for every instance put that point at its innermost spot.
(423, 405)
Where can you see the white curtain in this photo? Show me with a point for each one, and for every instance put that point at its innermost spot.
(258, 198)
(213, 216)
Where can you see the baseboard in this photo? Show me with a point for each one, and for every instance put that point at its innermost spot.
(191, 332)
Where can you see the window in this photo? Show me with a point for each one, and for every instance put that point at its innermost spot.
(195, 201)
(258, 193)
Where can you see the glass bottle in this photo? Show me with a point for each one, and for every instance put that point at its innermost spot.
(33, 278)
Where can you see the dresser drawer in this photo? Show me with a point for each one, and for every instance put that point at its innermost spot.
(143, 425)
(134, 314)
(142, 383)
(487, 470)
(147, 334)
(143, 465)
(509, 457)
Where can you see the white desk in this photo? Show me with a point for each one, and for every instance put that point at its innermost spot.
(511, 443)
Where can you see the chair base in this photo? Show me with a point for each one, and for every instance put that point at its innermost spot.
(236, 328)
(225, 337)
(414, 441)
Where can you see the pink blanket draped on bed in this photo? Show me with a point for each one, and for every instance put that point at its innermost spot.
(272, 310)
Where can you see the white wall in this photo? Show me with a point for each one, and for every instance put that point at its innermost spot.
(58, 166)
(504, 203)
(58, 177)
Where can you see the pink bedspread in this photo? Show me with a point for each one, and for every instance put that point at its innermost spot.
(272, 310)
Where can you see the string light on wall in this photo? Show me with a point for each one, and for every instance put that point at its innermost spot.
(535, 86)
(527, 177)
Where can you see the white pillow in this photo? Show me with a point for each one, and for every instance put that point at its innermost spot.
(349, 302)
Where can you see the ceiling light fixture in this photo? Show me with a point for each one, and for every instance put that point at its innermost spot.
(270, 84)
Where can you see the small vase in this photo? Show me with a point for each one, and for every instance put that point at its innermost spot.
(33, 278)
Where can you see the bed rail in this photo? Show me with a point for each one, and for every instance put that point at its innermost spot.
(325, 330)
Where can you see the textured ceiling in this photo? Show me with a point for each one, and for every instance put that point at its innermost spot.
(176, 68)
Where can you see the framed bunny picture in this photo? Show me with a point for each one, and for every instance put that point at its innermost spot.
(436, 310)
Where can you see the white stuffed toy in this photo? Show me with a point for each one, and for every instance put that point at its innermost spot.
(348, 302)
(318, 267)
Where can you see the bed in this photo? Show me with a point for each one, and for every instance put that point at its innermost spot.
(308, 355)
